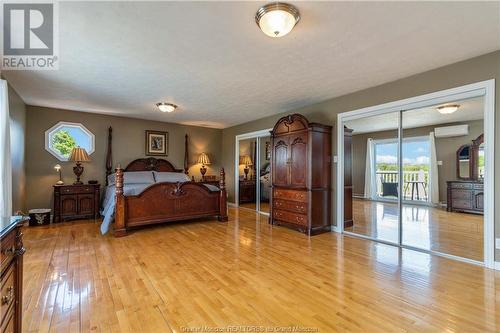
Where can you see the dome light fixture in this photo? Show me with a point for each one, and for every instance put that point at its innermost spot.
(166, 107)
(448, 109)
(277, 19)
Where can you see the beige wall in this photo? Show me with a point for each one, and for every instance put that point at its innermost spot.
(17, 111)
(473, 70)
(445, 149)
(128, 144)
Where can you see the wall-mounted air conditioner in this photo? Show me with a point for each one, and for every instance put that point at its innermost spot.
(450, 131)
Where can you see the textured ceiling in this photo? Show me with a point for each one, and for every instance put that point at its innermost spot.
(470, 109)
(211, 59)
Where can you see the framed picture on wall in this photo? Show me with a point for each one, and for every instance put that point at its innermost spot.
(268, 151)
(156, 143)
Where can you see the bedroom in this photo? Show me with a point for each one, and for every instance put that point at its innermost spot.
(228, 141)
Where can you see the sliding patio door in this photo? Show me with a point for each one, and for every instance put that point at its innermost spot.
(374, 175)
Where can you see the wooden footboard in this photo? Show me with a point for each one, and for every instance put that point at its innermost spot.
(166, 202)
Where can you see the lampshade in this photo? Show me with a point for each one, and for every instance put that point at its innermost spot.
(245, 160)
(277, 19)
(204, 159)
(57, 167)
(79, 155)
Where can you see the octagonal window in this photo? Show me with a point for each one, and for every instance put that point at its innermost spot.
(61, 138)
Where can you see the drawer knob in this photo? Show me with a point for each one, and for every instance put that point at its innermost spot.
(8, 298)
(11, 251)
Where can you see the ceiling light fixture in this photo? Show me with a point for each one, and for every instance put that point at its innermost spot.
(166, 107)
(277, 19)
(448, 109)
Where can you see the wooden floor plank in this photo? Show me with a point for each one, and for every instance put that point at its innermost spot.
(245, 272)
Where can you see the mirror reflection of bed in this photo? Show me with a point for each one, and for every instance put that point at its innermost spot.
(254, 173)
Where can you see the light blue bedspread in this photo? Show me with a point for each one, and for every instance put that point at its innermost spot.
(108, 210)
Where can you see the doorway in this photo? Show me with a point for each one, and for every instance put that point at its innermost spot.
(422, 173)
(253, 171)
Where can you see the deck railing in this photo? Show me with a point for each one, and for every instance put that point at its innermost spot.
(415, 184)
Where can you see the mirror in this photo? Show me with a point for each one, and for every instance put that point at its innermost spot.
(470, 160)
(463, 162)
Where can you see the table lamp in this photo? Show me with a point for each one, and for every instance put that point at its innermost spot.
(203, 159)
(78, 155)
(246, 161)
(57, 167)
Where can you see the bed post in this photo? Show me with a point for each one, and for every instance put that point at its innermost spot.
(186, 155)
(109, 158)
(119, 229)
(223, 197)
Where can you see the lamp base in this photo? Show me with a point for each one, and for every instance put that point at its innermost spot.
(78, 170)
(60, 182)
(246, 172)
(203, 171)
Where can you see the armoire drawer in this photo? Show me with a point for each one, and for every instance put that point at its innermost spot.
(293, 195)
(7, 249)
(290, 217)
(292, 206)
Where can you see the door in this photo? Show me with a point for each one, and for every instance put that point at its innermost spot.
(69, 205)
(374, 168)
(298, 160)
(265, 179)
(85, 204)
(280, 169)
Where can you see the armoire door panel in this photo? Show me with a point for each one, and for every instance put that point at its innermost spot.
(298, 160)
(280, 167)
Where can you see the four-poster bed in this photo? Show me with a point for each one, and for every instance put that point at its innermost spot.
(163, 201)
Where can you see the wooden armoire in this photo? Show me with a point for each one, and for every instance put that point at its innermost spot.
(301, 175)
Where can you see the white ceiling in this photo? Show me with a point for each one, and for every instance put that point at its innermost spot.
(470, 109)
(211, 59)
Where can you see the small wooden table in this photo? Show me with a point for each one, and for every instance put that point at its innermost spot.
(76, 202)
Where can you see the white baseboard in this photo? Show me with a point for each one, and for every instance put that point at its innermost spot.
(231, 204)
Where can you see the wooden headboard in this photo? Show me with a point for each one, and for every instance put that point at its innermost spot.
(145, 164)
(151, 164)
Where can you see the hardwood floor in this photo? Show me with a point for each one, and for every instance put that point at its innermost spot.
(264, 206)
(424, 227)
(245, 272)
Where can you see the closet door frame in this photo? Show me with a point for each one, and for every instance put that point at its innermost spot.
(251, 135)
(485, 89)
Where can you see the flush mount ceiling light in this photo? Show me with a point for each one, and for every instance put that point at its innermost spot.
(166, 107)
(277, 19)
(448, 109)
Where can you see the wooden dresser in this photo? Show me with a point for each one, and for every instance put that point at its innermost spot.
(76, 202)
(301, 174)
(465, 196)
(11, 281)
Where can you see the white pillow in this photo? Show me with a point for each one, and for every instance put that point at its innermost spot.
(170, 177)
(134, 177)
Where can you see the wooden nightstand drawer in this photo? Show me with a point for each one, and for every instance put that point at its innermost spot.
(8, 248)
(76, 189)
(7, 292)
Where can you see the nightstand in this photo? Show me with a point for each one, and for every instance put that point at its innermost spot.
(210, 182)
(76, 202)
(247, 191)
